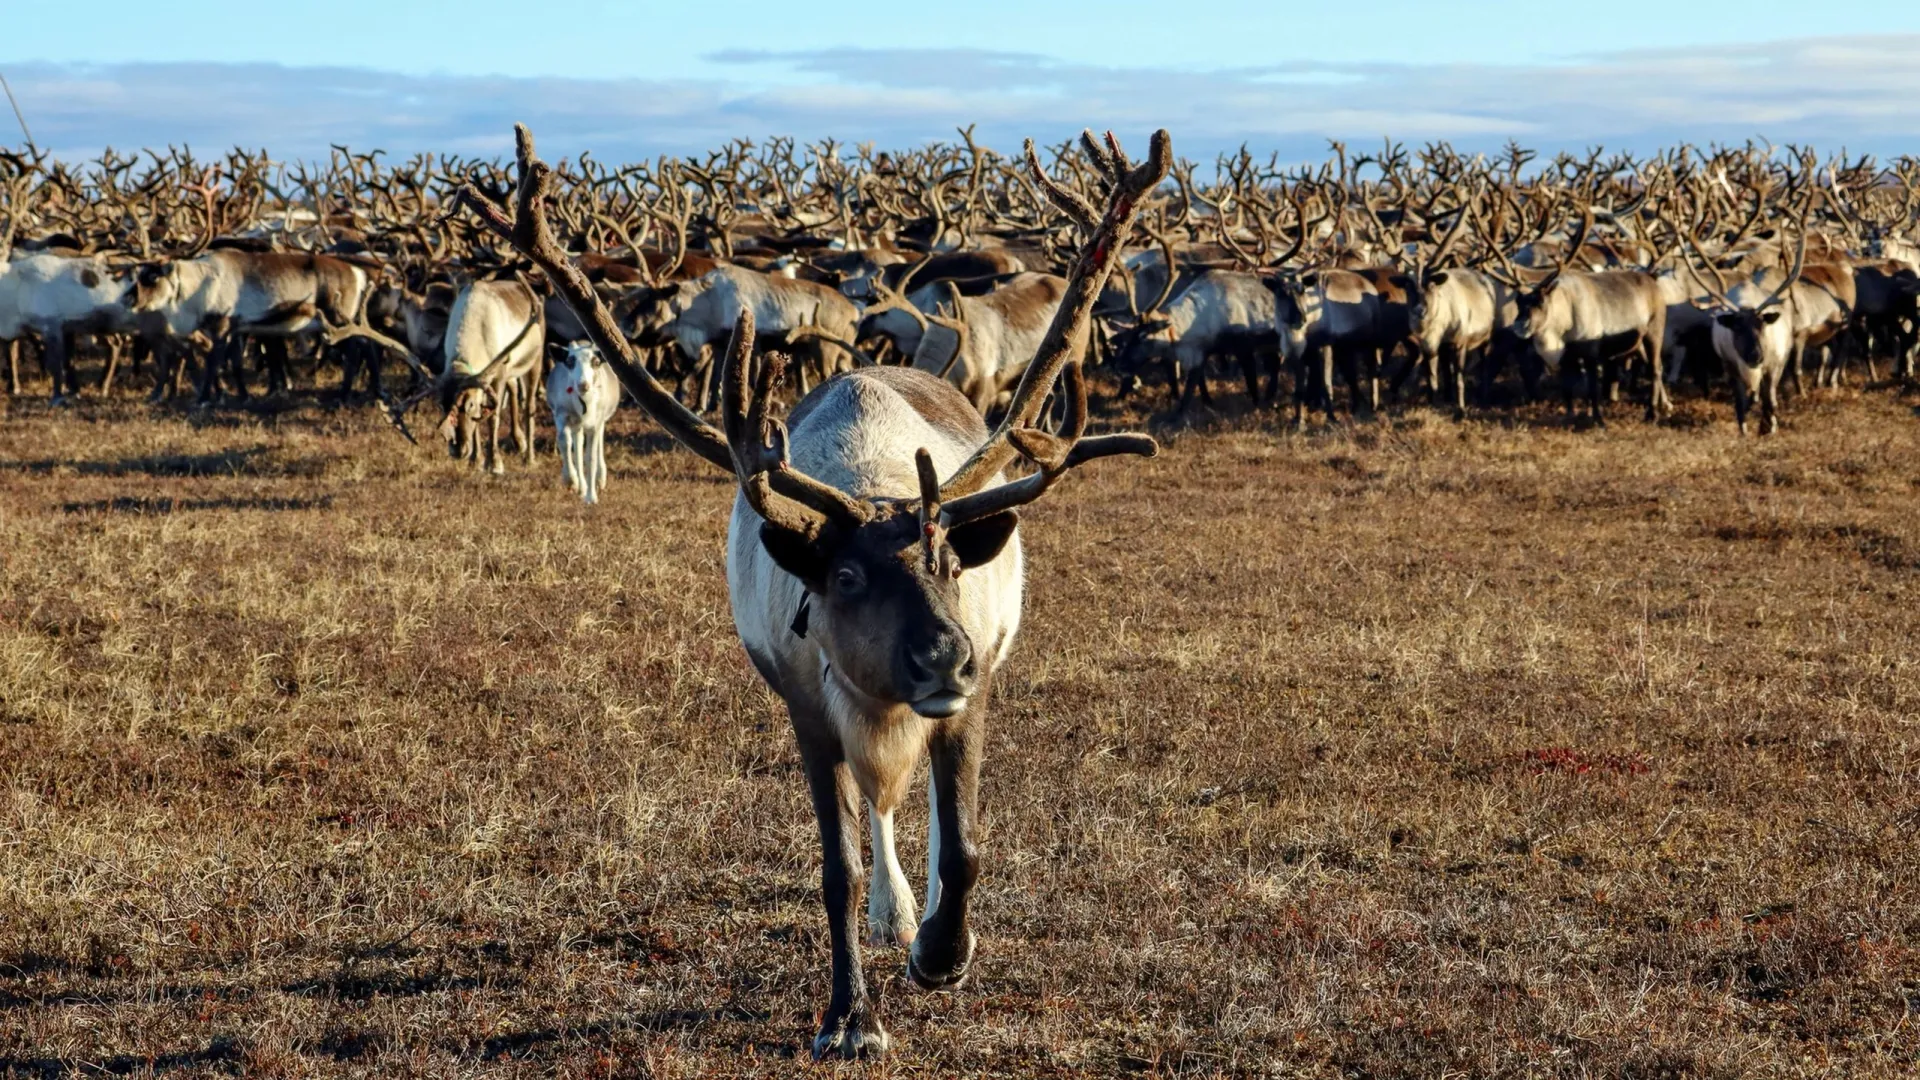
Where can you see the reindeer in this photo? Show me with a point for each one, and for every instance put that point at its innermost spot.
(493, 345)
(1452, 315)
(984, 345)
(1824, 312)
(874, 597)
(57, 296)
(1222, 313)
(1586, 320)
(1888, 312)
(1214, 312)
(1756, 339)
(583, 393)
(694, 316)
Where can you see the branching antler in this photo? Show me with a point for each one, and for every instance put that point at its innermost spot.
(1066, 338)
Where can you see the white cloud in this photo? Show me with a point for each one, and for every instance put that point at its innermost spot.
(1861, 91)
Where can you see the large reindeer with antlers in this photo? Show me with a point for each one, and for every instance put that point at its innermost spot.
(1756, 338)
(875, 597)
(51, 293)
(232, 293)
(1585, 321)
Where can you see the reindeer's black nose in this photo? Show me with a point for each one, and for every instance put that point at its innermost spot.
(940, 660)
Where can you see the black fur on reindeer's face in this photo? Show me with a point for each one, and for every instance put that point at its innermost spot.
(648, 310)
(1528, 303)
(149, 286)
(885, 604)
(1744, 329)
(1133, 347)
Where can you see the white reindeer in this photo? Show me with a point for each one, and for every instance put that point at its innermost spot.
(54, 296)
(583, 392)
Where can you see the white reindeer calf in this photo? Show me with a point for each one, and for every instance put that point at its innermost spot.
(584, 392)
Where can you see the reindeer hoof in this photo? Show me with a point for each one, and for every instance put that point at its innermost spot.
(940, 968)
(886, 937)
(856, 1035)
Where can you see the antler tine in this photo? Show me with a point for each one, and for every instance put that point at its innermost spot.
(755, 447)
(931, 525)
(1799, 259)
(1066, 338)
(1463, 212)
(1068, 202)
(894, 297)
(810, 331)
(1054, 455)
(1719, 289)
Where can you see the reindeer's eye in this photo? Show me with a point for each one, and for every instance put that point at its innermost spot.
(849, 581)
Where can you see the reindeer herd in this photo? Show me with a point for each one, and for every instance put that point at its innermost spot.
(1479, 281)
(934, 314)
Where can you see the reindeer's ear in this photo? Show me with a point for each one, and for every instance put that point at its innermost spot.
(1770, 317)
(1310, 280)
(797, 554)
(980, 542)
(1438, 277)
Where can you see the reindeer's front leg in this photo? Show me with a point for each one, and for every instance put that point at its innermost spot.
(892, 918)
(210, 371)
(494, 464)
(56, 343)
(528, 391)
(850, 1027)
(943, 950)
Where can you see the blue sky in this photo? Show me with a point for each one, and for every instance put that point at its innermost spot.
(637, 78)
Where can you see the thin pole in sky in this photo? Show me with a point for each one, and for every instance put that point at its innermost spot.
(16, 112)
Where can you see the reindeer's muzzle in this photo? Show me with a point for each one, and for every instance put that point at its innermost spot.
(940, 672)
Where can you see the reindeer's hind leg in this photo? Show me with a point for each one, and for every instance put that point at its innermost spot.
(1324, 377)
(1460, 381)
(13, 367)
(114, 345)
(1658, 401)
(217, 355)
(274, 357)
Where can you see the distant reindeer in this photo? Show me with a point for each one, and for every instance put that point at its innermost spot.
(57, 296)
(583, 393)
(493, 345)
(233, 294)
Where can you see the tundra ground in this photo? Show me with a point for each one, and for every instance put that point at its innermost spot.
(1398, 749)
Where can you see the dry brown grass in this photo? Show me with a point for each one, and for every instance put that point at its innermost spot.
(1400, 750)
